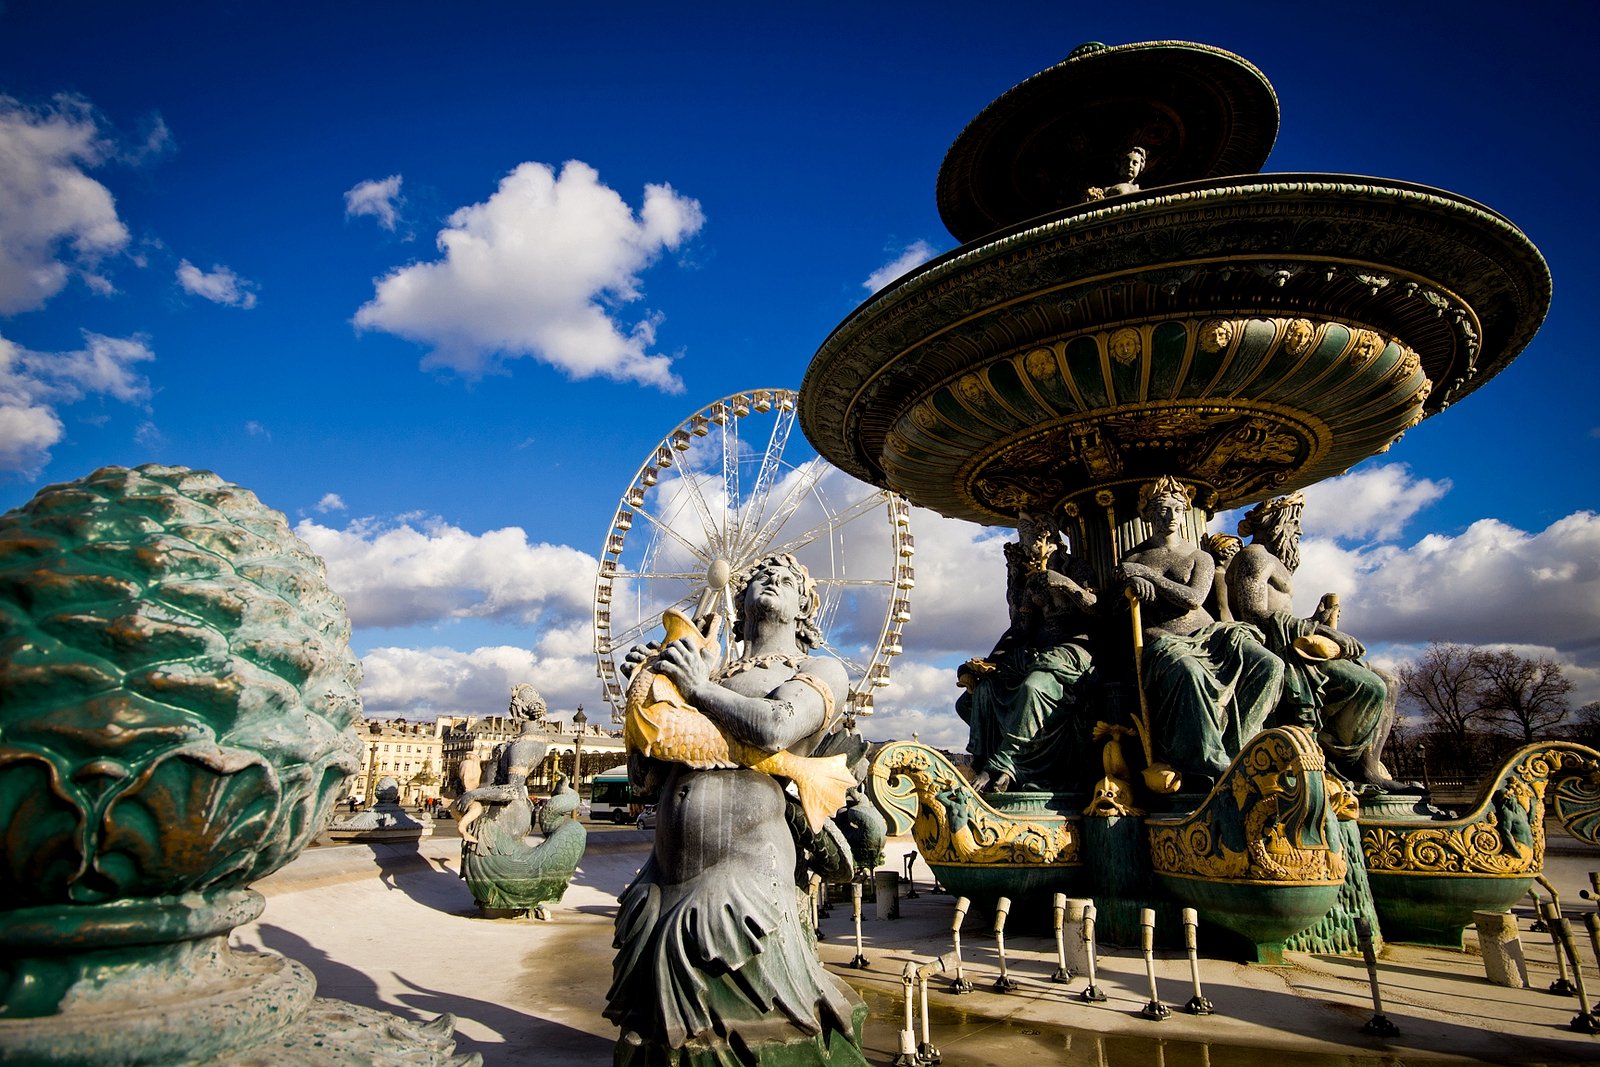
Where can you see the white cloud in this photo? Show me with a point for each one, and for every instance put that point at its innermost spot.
(1491, 584)
(1373, 502)
(27, 432)
(148, 436)
(156, 142)
(220, 286)
(915, 254)
(256, 429)
(379, 198)
(34, 384)
(540, 269)
(330, 502)
(958, 610)
(402, 575)
(422, 683)
(919, 699)
(54, 217)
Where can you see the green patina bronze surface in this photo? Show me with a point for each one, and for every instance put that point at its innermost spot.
(1261, 855)
(506, 872)
(1131, 307)
(973, 845)
(1336, 932)
(176, 692)
(1429, 875)
(1249, 334)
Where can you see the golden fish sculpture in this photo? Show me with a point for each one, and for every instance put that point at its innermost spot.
(661, 724)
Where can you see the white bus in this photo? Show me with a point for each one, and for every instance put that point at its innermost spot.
(611, 797)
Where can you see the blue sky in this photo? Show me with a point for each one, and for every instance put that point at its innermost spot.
(432, 279)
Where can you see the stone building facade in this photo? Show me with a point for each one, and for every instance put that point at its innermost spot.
(411, 752)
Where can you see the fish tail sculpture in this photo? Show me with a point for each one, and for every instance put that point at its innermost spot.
(660, 724)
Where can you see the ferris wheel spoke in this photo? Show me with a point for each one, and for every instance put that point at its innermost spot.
(702, 510)
(753, 515)
(806, 479)
(666, 528)
(837, 586)
(730, 477)
(854, 511)
(646, 623)
(854, 666)
(728, 609)
(684, 541)
(825, 614)
(855, 583)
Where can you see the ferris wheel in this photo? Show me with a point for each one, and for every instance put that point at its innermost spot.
(727, 488)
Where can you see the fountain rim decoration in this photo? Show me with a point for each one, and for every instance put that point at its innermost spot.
(1513, 304)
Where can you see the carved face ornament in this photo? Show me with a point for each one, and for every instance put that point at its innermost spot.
(1297, 336)
(773, 594)
(1215, 335)
(1133, 163)
(1035, 533)
(1165, 511)
(1125, 345)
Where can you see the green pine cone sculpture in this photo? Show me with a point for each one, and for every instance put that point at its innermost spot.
(176, 689)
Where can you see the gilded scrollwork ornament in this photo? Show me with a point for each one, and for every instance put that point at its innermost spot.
(953, 825)
(1269, 819)
(1503, 835)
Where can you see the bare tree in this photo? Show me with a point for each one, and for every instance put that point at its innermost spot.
(1444, 684)
(1523, 696)
(1584, 726)
(1398, 754)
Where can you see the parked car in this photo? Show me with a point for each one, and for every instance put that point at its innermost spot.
(647, 818)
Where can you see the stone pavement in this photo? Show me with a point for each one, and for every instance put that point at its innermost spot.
(393, 927)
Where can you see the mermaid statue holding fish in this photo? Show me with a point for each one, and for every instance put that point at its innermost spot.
(713, 965)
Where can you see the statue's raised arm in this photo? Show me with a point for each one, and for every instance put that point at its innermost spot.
(1349, 705)
(712, 960)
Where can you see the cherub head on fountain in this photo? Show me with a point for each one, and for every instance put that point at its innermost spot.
(1132, 166)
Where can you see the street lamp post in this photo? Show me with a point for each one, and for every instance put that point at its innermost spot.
(372, 777)
(579, 722)
(1422, 759)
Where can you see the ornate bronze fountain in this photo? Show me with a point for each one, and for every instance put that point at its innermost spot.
(1131, 301)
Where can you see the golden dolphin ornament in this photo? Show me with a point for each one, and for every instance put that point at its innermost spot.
(661, 724)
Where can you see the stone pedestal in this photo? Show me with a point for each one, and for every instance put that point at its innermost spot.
(1075, 949)
(1501, 944)
(886, 887)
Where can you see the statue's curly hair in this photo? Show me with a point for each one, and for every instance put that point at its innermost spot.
(526, 703)
(1256, 517)
(1166, 485)
(807, 633)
